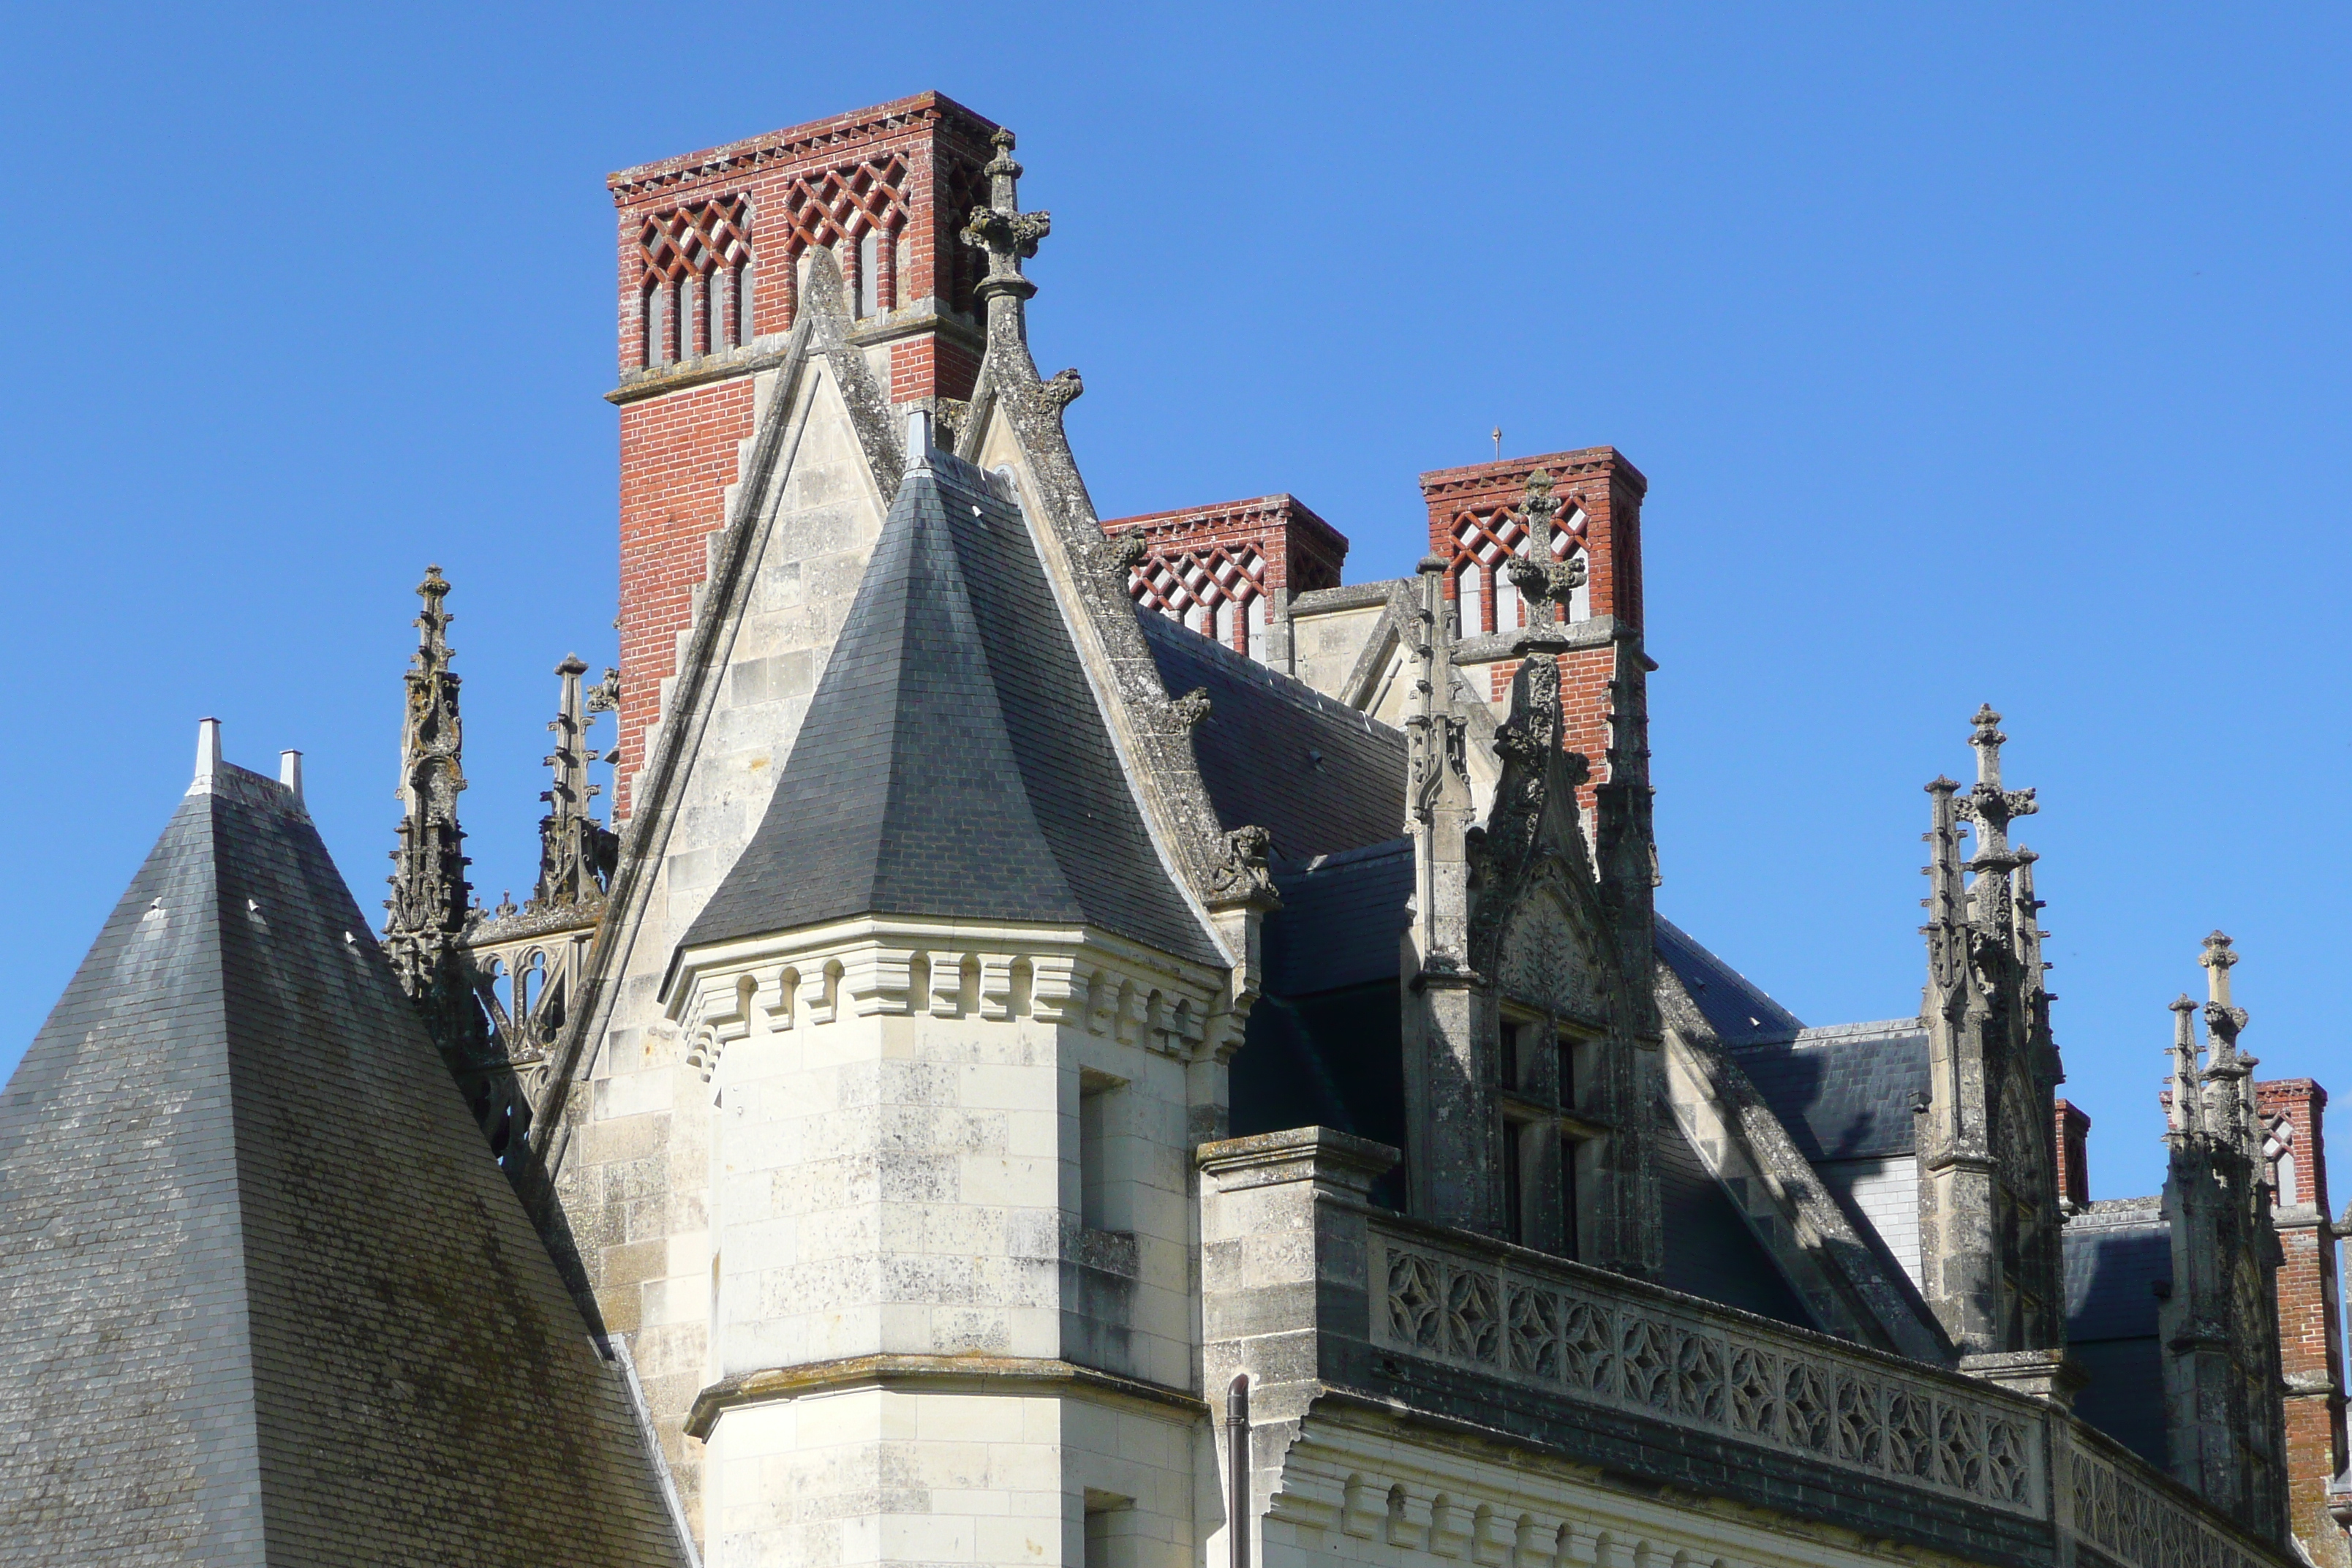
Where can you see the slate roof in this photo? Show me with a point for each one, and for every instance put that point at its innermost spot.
(1845, 1092)
(2118, 1252)
(268, 1298)
(1710, 1252)
(1342, 919)
(953, 762)
(1738, 1011)
(1276, 753)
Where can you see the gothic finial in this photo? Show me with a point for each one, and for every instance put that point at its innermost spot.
(2188, 1100)
(432, 902)
(1988, 805)
(575, 851)
(1009, 236)
(2217, 959)
(1540, 574)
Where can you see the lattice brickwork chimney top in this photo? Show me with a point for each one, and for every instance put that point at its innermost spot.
(1230, 571)
(1478, 522)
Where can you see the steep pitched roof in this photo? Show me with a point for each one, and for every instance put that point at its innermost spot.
(2119, 1254)
(1278, 755)
(1735, 1007)
(954, 762)
(1845, 1092)
(1342, 919)
(268, 1299)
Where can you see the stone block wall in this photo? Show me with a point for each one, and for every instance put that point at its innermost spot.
(636, 1175)
(951, 1475)
(947, 1268)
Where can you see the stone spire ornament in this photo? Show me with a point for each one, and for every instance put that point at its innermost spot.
(1547, 584)
(1008, 237)
(430, 907)
(2224, 1416)
(1989, 1253)
(575, 850)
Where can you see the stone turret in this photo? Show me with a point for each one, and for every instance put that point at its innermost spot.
(2223, 1410)
(1988, 1201)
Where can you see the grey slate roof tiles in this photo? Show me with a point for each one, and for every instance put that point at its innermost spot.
(953, 762)
(1342, 919)
(1736, 1008)
(268, 1298)
(2118, 1253)
(1278, 755)
(1845, 1092)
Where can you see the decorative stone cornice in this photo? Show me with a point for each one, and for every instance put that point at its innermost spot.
(983, 1373)
(797, 143)
(876, 966)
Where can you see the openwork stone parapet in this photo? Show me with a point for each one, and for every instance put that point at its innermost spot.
(1341, 1310)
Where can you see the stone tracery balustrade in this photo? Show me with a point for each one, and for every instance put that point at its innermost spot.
(1298, 1265)
(1731, 1375)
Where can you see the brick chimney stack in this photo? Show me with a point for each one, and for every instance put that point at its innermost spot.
(715, 248)
(1478, 522)
(2310, 1320)
(1230, 571)
(2074, 1126)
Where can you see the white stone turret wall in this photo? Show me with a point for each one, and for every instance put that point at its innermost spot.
(920, 1350)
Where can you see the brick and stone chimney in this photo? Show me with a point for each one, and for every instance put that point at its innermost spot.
(1477, 521)
(2074, 1141)
(1229, 570)
(714, 248)
(2311, 1323)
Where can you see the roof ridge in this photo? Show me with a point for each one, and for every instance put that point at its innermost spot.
(1826, 1033)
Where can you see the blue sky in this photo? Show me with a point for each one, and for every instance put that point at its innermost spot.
(1973, 354)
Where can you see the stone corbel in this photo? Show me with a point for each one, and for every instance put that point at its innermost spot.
(946, 984)
(1055, 994)
(996, 997)
(879, 980)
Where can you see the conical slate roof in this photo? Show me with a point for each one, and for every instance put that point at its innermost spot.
(264, 1297)
(953, 762)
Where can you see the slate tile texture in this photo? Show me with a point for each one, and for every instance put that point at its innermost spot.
(1275, 753)
(953, 762)
(264, 1297)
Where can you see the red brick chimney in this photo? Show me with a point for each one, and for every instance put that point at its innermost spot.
(713, 246)
(2073, 1155)
(2311, 1338)
(1476, 520)
(1229, 570)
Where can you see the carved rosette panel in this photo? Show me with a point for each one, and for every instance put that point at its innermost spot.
(1736, 1383)
(2140, 1527)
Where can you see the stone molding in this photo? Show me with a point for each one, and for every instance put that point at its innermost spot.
(839, 135)
(1331, 1305)
(929, 1374)
(1073, 976)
